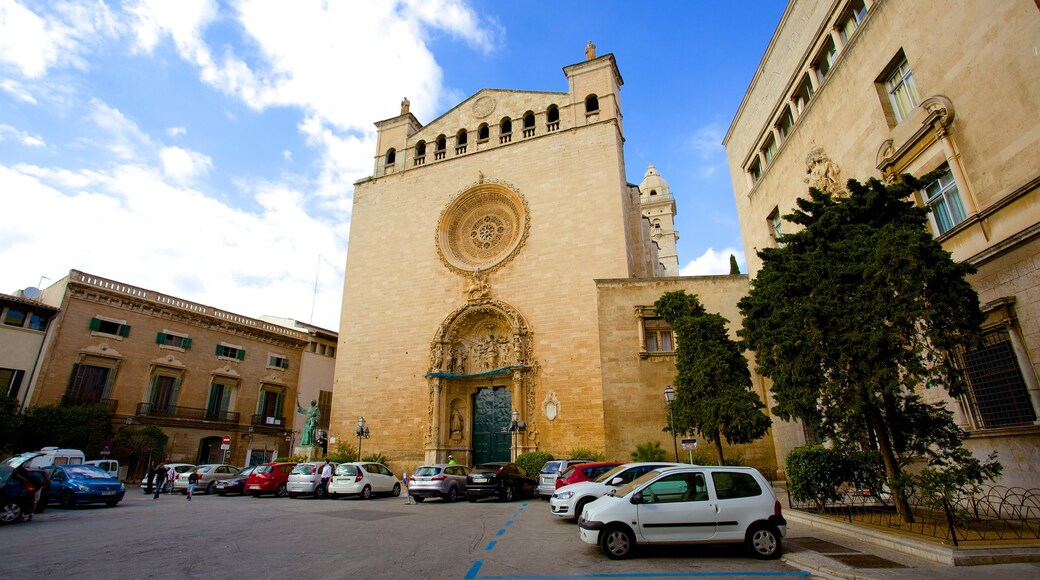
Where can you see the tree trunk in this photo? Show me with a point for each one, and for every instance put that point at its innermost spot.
(892, 470)
(718, 448)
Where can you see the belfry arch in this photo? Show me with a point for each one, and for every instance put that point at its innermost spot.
(483, 344)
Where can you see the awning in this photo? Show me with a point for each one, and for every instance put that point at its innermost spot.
(500, 371)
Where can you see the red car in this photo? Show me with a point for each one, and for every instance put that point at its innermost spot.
(584, 472)
(269, 478)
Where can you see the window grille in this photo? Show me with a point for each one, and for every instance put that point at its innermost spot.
(997, 394)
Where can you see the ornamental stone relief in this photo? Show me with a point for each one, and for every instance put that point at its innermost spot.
(482, 228)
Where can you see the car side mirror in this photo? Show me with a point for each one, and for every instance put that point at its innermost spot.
(616, 481)
(637, 498)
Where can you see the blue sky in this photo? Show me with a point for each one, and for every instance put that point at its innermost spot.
(208, 149)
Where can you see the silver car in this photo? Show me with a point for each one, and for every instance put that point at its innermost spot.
(209, 475)
(552, 470)
(441, 480)
(305, 478)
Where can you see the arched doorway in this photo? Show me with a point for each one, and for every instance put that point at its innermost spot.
(210, 451)
(492, 407)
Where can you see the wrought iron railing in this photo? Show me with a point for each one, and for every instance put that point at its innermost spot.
(194, 414)
(72, 401)
(982, 514)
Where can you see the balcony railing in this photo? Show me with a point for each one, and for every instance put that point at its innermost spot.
(191, 413)
(268, 421)
(73, 401)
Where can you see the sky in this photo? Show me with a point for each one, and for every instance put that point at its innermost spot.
(207, 149)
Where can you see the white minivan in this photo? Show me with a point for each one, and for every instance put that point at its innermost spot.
(110, 466)
(692, 504)
(56, 456)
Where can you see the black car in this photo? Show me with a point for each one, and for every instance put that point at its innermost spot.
(17, 493)
(234, 484)
(507, 481)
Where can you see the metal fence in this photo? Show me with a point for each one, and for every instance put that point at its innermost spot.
(983, 514)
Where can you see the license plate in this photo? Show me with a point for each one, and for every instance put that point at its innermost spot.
(254, 487)
(108, 493)
(479, 480)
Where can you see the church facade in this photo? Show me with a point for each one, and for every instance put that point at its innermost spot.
(500, 282)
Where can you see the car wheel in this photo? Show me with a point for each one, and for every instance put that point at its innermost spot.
(764, 542)
(418, 499)
(10, 512)
(578, 509)
(453, 495)
(617, 542)
(67, 501)
(41, 506)
(280, 491)
(212, 487)
(366, 492)
(397, 490)
(507, 493)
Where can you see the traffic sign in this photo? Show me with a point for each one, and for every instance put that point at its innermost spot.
(106, 449)
(226, 442)
(689, 444)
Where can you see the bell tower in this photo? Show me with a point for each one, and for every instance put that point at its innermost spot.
(658, 206)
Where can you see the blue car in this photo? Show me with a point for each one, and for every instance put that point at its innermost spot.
(72, 485)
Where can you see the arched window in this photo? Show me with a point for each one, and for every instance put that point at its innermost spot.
(528, 124)
(505, 130)
(653, 192)
(420, 153)
(591, 104)
(460, 142)
(442, 144)
(483, 132)
(552, 118)
(391, 156)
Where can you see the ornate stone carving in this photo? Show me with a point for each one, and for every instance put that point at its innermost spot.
(482, 228)
(823, 174)
(590, 51)
(479, 288)
(551, 406)
(484, 106)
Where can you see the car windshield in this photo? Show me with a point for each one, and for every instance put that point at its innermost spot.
(635, 483)
(606, 477)
(426, 471)
(568, 472)
(205, 468)
(552, 467)
(246, 471)
(183, 468)
(347, 470)
(263, 469)
(303, 469)
(87, 472)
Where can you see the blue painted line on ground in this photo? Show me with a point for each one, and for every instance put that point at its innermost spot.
(501, 532)
(509, 523)
(490, 546)
(474, 570)
(646, 575)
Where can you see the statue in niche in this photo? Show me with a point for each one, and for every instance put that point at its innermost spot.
(479, 288)
(455, 423)
(503, 350)
(823, 174)
(486, 352)
(457, 362)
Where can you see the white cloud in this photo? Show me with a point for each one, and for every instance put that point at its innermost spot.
(176, 131)
(182, 164)
(17, 90)
(9, 132)
(713, 262)
(120, 135)
(59, 35)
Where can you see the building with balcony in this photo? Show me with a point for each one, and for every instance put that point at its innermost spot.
(197, 372)
(877, 88)
(23, 334)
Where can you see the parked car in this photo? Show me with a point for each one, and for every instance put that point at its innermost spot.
(36, 476)
(17, 492)
(305, 479)
(442, 480)
(236, 483)
(178, 468)
(72, 485)
(363, 478)
(691, 504)
(569, 501)
(111, 466)
(584, 472)
(270, 477)
(551, 470)
(209, 475)
(506, 481)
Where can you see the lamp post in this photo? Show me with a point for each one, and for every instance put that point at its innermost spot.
(362, 433)
(669, 397)
(516, 427)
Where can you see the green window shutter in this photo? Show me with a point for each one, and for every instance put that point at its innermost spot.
(186, 343)
(124, 330)
(219, 348)
(173, 393)
(285, 363)
(160, 338)
(95, 323)
(278, 405)
(225, 401)
(260, 403)
(241, 354)
(214, 393)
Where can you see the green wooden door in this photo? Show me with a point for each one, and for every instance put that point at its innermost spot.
(491, 417)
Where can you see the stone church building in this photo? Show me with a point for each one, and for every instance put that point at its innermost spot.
(499, 288)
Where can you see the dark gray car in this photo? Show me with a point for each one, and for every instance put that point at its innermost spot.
(441, 480)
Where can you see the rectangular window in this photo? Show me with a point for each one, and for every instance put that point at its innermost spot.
(944, 199)
(852, 19)
(37, 322)
(755, 170)
(87, 383)
(278, 362)
(997, 394)
(269, 408)
(219, 402)
(769, 149)
(902, 93)
(658, 335)
(164, 395)
(783, 126)
(825, 60)
(776, 225)
(166, 338)
(325, 406)
(112, 327)
(231, 351)
(803, 94)
(14, 318)
(11, 381)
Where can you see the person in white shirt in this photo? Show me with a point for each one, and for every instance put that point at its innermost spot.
(326, 475)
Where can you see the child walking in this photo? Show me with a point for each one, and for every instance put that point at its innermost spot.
(193, 480)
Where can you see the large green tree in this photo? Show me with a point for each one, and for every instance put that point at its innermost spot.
(854, 311)
(713, 384)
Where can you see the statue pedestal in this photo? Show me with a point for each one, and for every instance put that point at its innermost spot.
(308, 452)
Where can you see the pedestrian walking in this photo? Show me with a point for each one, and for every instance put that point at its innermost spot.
(158, 479)
(326, 476)
(171, 474)
(193, 480)
(149, 478)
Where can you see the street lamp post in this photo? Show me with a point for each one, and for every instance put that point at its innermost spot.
(516, 427)
(669, 397)
(362, 433)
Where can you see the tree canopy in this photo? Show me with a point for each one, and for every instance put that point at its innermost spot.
(854, 311)
(713, 384)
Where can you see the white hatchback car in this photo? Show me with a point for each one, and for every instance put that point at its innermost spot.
(692, 504)
(364, 479)
(569, 500)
